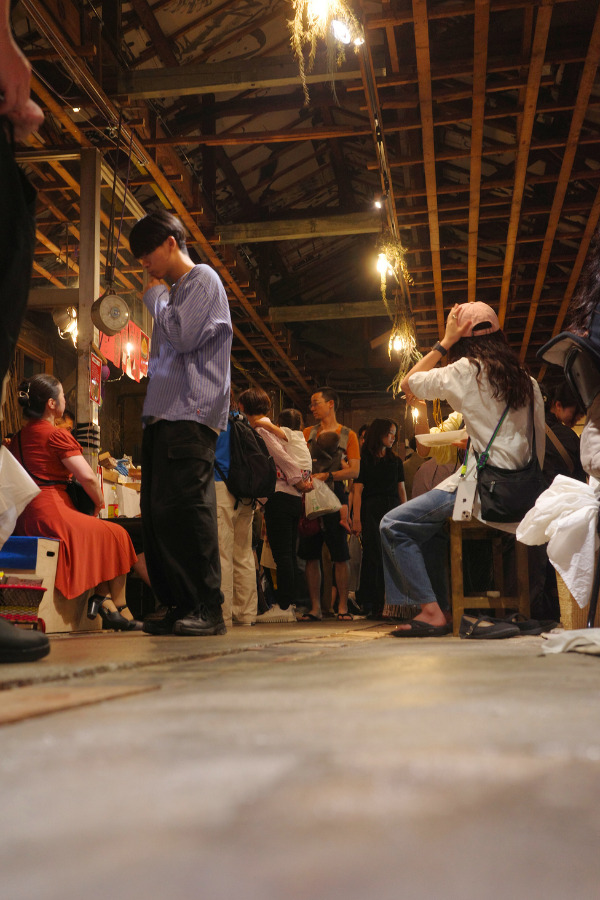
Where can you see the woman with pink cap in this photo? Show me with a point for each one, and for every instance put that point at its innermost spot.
(482, 379)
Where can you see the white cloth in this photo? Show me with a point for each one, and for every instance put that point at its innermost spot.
(17, 490)
(565, 516)
(298, 449)
(288, 470)
(581, 640)
(457, 384)
(589, 445)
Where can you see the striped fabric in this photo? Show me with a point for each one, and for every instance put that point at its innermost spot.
(190, 352)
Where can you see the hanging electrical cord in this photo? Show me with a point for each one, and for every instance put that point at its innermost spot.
(109, 268)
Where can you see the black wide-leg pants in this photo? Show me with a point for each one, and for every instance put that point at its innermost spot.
(179, 515)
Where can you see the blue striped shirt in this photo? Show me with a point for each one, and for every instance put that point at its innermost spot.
(190, 351)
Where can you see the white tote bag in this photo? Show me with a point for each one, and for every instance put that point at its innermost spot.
(320, 501)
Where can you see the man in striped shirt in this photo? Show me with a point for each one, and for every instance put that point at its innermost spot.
(186, 407)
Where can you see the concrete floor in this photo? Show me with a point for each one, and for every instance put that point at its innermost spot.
(296, 762)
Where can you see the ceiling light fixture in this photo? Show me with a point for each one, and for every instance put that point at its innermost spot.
(330, 20)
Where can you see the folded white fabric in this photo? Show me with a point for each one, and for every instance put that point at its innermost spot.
(582, 640)
(17, 489)
(565, 516)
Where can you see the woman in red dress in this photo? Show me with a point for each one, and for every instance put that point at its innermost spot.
(93, 553)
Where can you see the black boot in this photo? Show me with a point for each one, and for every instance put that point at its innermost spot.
(17, 645)
(165, 623)
(202, 622)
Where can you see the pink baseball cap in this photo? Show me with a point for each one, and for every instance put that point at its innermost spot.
(483, 318)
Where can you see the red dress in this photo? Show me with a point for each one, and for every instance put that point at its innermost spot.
(92, 550)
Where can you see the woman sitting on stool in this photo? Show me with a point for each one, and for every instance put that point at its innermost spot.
(93, 553)
(482, 378)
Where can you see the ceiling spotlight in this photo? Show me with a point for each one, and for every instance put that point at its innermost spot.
(378, 204)
(76, 109)
(66, 322)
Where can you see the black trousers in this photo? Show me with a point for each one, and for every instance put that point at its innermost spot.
(371, 591)
(282, 514)
(179, 515)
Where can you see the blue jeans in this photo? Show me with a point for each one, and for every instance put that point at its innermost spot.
(414, 546)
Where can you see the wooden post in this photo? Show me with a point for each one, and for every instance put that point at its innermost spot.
(89, 287)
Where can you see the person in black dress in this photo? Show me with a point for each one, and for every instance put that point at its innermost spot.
(378, 489)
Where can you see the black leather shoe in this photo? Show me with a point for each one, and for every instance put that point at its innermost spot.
(486, 628)
(202, 624)
(17, 645)
(164, 624)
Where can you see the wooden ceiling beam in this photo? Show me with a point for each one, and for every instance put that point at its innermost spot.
(590, 230)
(421, 26)
(295, 229)
(403, 15)
(482, 24)
(586, 85)
(232, 75)
(538, 52)
(328, 311)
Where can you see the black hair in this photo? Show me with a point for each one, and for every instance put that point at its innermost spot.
(561, 393)
(68, 414)
(363, 430)
(374, 441)
(34, 393)
(509, 380)
(153, 230)
(329, 394)
(290, 418)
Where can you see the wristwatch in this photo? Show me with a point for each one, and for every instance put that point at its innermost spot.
(440, 348)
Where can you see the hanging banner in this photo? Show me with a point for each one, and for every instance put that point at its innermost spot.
(132, 351)
(95, 377)
(144, 354)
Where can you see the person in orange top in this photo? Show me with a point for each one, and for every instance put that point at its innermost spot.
(94, 553)
(323, 405)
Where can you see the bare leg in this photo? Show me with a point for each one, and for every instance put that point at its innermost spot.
(313, 580)
(341, 580)
(141, 569)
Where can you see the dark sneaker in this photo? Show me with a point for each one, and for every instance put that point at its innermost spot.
(164, 624)
(19, 646)
(203, 623)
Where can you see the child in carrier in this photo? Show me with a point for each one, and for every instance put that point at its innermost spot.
(329, 457)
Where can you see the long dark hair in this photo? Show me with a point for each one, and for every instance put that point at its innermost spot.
(587, 295)
(509, 380)
(376, 432)
(35, 392)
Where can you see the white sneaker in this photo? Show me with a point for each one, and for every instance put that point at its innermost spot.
(276, 614)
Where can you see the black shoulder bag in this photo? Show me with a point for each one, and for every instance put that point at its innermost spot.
(82, 502)
(507, 494)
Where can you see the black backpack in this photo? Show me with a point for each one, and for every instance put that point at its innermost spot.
(252, 471)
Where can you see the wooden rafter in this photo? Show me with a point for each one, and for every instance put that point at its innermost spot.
(482, 22)
(538, 52)
(585, 88)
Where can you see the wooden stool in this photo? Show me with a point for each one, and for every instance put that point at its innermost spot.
(473, 530)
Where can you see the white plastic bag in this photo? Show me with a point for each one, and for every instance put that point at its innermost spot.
(321, 501)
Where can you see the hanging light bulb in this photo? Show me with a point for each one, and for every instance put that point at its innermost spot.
(382, 264)
(415, 414)
(341, 31)
(66, 322)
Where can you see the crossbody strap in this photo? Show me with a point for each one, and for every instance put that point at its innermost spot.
(483, 457)
(561, 449)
